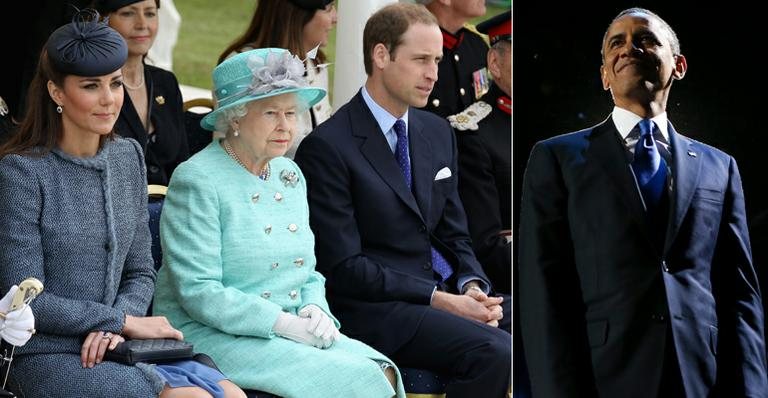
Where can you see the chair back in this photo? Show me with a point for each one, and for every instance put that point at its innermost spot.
(155, 208)
(194, 111)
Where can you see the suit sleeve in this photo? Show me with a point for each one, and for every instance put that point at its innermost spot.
(742, 362)
(480, 196)
(551, 309)
(21, 256)
(339, 252)
(452, 230)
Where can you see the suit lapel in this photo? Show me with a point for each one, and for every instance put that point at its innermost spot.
(421, 163)
(686, 166)
(606, 148)
(376, 150)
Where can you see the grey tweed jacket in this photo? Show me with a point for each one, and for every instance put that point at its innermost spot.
(80, 225)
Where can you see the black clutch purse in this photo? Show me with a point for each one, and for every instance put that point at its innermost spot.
(151, 350)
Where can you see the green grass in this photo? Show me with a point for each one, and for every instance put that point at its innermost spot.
(208, 26)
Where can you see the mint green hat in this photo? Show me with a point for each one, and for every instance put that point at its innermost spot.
(257, 74)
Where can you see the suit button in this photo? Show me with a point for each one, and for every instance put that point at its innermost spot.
(427, 266)
(106, 246)
(658, 317)
(422, 228)
(664, 265)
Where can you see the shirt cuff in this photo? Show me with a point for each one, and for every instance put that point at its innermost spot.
(480, 283)
(431, 296)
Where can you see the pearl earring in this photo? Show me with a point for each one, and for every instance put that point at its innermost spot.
(59, 109)
(236, 133)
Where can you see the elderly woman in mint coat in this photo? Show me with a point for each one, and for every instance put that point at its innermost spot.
(239, 274)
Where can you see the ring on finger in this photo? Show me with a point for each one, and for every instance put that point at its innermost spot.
(106, 336)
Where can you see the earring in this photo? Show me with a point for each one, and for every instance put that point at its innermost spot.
(59, 109)
(236, 133)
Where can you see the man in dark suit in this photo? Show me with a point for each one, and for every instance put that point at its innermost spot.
(390, 230)
(636, 278)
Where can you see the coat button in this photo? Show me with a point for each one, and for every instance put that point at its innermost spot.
(255, 198)
(422, 228)
(267, 229)
(299, 262)
(293, 227)
(435, 102)
(456, 57)
(278, 196)
(293, 294)
(658, 317)
(274, 265)
(267, 294)
(462, 91)
(427, 266)
(106, 246)
(664, 265)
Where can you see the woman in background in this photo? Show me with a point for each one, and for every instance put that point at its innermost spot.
(152, 113)
(74, 200)
(303, 25)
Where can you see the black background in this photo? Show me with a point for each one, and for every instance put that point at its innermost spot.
(557, 88)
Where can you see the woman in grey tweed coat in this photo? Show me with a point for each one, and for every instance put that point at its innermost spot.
(73, 200)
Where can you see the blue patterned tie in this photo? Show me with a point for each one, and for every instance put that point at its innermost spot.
(649, 167)
(439, 263)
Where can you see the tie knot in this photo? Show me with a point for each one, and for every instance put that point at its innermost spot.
(400, 128)
(646, 127)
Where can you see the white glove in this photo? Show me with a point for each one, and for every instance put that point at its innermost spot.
(321, 325)
(18, 326)
(294, 328)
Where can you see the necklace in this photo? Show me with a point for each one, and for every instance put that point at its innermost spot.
(266, 171)
(136, 87)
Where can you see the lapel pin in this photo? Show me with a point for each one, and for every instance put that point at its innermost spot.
(160, 100)
(692, 154)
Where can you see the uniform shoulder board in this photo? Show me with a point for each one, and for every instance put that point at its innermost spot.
(468, 118)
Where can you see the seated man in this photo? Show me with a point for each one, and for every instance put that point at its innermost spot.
(391, 234)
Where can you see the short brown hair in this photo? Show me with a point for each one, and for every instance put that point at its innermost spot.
(388, 25)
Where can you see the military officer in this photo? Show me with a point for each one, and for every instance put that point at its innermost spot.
(484, 138)
(462, 74)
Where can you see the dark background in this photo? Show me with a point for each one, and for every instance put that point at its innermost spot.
(557, 88)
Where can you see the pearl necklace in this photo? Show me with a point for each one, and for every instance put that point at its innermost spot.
(266, 171)
(128, 86)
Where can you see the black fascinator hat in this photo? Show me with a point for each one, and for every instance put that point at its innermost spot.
(86, 47)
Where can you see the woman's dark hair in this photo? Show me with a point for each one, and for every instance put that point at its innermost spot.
(265, 30)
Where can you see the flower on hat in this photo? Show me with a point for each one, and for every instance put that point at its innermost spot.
(279, 71)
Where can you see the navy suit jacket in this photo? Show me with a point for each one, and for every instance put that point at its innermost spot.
(598, 291)
(373, 235)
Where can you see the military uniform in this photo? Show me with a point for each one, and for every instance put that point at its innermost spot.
(484, 139)
(464, 60)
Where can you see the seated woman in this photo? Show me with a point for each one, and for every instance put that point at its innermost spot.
(74, 216)
(152, 112)
(239, 275)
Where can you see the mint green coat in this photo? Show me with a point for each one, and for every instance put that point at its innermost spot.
(238, 251)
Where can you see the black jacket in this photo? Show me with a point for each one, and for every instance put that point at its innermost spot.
(166, 147)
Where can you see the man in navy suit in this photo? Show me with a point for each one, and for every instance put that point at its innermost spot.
(390, 229)
(628, 291)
